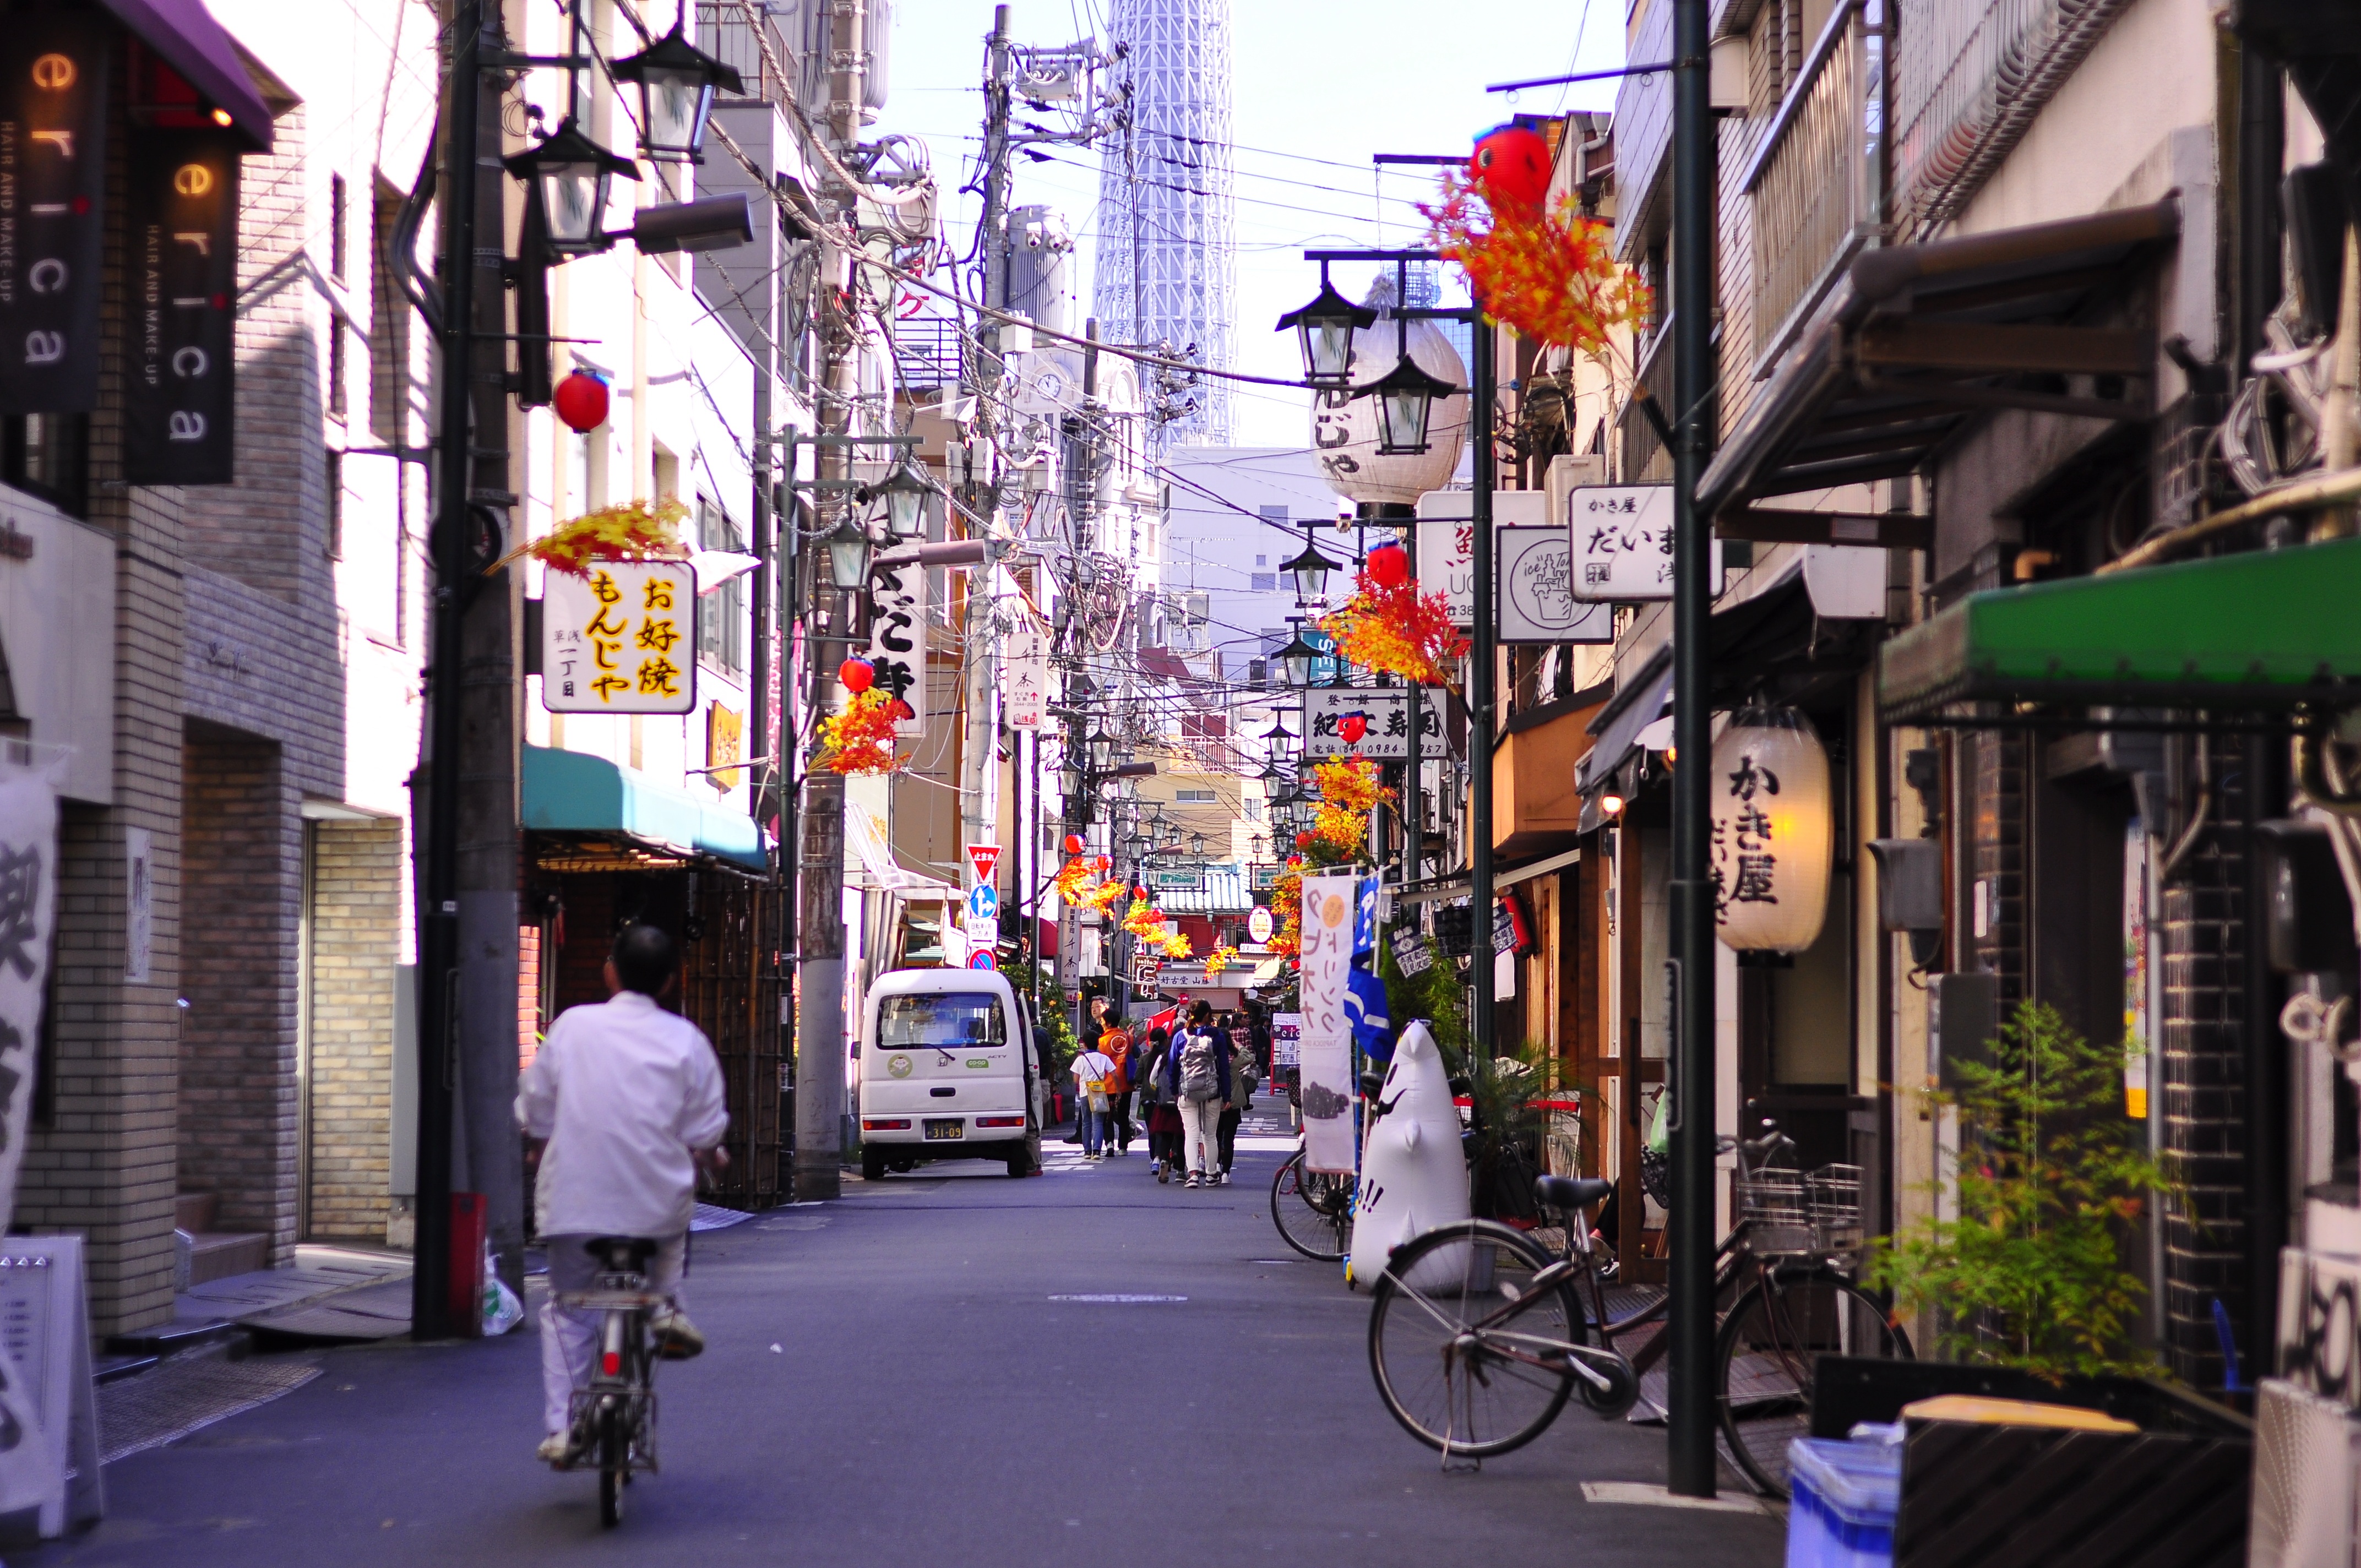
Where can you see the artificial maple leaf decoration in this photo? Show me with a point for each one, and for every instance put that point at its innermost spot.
(634, 531)
(1219, 959)
(1395, 629)
(861, 739)
(1549, 271)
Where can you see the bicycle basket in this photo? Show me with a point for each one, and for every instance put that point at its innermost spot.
(1833, 1192)
(1776, 1212)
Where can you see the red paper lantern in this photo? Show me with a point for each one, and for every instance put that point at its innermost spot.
(1103, 864)
(1352, 727)
(1303, 840)
(858, 674)
(581, 402)
(1073, 843)
(1510, 166)
(1388, 565)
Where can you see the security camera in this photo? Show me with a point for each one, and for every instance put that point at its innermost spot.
(710, 223)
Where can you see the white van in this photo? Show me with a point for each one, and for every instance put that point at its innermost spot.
(948, 1072)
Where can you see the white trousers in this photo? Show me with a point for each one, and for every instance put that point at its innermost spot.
(1201, 1135)
(569, 1339)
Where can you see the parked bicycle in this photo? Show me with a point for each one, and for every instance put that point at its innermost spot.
(613, 1422)
(1479, 1334)
(1312, 1208)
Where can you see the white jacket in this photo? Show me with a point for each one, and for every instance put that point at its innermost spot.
(624, 1092)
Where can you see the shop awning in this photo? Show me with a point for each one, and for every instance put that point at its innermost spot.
(184, 34)
(867, 838)
(1919, 339)
(1641, 702)
(2267, 631)
(569, 792)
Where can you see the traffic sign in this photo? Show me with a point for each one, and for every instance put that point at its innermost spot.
(983, 933)
(983, 902)
(982, 958)
(983, 857)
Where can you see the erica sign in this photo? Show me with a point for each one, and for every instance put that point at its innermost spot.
(54, 68)
(179, 405)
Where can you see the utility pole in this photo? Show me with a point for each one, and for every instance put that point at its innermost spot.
(1481, 395)
(1691, 1399)
(820, 1020)
(467, 907)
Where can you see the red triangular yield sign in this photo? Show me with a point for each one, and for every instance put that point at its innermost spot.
(983, 857)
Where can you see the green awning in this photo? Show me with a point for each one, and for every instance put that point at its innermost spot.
(568, 792)
(2268, 630)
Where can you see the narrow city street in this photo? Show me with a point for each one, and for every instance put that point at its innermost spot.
(947, 1366)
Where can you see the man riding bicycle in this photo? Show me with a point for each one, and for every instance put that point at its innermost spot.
(629, 1098)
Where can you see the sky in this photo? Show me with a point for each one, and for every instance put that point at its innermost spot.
(1318, 88)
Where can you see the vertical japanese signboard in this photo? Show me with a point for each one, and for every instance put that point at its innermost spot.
(1028, 673)
(53, 67)
(897, 641)
(29, 886)
(620, 638)
(180, 401)
(1326, 1049)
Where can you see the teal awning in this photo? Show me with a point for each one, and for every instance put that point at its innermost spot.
(569, 792)
(2268, 630)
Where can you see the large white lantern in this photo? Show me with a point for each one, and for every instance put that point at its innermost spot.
(1774, 831)
(1345, 431)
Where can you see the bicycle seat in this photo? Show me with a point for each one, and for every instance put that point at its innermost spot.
(1570, 1192)
(622, 1255)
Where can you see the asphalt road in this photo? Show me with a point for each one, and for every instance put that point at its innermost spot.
(893, 1379)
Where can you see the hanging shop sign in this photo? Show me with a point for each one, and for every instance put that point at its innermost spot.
(897, 641)
(1384, 730)
(1286, 1039)
(1026, 671)
(1446, 541)
(1773, 832)
(1328, 903)
(53, 72)
(1177, 879)
(620, 638)
(725, 742)
(1258, 923)
(1621, 537)
(1413, 955)
(1537, 602)
(180, 401)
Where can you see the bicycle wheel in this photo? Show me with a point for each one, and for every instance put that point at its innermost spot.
(1763, 1356)
(1468, 1355)
(613, 1459)
(1312, 1209)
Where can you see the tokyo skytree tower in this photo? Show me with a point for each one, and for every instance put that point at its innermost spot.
(1166, 264)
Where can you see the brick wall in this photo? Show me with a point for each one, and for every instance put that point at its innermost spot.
(356, 919)
(241, 896)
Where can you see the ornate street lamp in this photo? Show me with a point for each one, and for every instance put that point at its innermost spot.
(1197, 845)
(573, 175)
(1406, 397)
(848, 551)
(677, 85)
(1296, 661)
(1102, 745)
(904, 493)
(1323, 329)
(1308, 572)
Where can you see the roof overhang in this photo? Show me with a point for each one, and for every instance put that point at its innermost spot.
(1918, 340)
(632, 824)
(185, 36)
(2261, 633)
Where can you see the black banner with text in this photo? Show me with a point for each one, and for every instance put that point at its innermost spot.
(180, 404)
(53, 67)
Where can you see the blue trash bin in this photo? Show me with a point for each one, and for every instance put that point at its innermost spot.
(1846, 1494)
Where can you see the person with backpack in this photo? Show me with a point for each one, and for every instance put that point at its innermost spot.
(1163, 1118)
(1091, 1069)
(1197, 1076)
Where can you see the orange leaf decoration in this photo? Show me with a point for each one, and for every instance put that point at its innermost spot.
(1550, 273)
(1396, 630)
(861, 739)
(632, 531)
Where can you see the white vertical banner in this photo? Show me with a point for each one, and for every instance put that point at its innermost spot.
(31, 1467)
(897, 641)
(1026, 672)
(139, 903)
(1326, 1047)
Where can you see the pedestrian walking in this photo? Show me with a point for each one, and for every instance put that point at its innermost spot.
(1117, 1045)
(1197, 1076)
(1091, 1069)
(1163, 1118)
(629, 1098)
(1244, 1078)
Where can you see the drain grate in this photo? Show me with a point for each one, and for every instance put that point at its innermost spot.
(180, 1398)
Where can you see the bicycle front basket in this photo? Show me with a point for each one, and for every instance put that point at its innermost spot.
(1834, 1192)
(1777, 1216)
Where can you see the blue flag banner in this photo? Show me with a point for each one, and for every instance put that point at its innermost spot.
(1366, 1008)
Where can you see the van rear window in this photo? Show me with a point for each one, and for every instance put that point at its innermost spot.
(947, 1019)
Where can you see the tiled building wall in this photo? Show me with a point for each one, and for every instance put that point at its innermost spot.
(356, 921)
(241, 892)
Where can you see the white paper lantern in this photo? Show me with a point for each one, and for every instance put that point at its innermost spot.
(1774, 831)
(1344, 427)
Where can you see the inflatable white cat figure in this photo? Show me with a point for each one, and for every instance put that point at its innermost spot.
(1413, 1172)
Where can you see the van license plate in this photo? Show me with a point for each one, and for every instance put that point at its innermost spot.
(954, 1128)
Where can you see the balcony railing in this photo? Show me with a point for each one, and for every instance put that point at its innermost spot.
(927, 352)
(1645, 459)
(1812, 181)
(724, 32)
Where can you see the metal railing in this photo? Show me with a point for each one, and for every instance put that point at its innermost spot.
(1812, 181)
(927, 352)
(724, 32)
(1968, 79)
(1645, 460)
